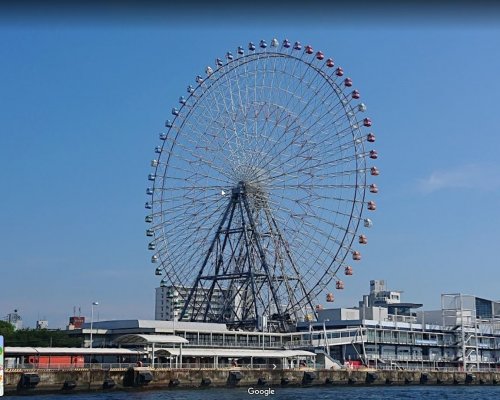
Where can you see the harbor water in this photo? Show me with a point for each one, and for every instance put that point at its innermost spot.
(312, 393)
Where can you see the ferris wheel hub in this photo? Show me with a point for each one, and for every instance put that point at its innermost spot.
(279, 133)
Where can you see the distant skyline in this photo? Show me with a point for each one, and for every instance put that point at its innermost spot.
(83, 101)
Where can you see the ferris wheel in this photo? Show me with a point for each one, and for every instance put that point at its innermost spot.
(258, 187)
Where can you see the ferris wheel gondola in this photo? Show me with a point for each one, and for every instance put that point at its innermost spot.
(259, 184)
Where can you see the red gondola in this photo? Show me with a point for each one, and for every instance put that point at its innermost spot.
(330, 297)
(373, 154)
(339, 71)
(367, 122)
(348, 82)
(339, 285)
(370, 137)
(362, 239)
(374, 171)
(348, 270)
(373, 188)
(356, 255)
(329, 63)
(355, 94)
(372, 206)
(309, 49)
(320, 55)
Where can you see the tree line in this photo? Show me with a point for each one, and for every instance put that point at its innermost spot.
(36, 337)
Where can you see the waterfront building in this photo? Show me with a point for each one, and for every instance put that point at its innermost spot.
(42, 324)
(202, 343)
(169, 301)
(464, 333)
(14, 319)
(382, 331)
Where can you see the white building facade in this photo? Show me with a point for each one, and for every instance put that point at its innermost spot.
(169, 301)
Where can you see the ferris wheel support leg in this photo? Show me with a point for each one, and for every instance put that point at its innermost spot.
(292, 262)
(210, 250)
(262, 257)
(250, 270)
(219, 262)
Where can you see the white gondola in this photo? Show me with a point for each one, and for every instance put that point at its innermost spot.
(210, 163)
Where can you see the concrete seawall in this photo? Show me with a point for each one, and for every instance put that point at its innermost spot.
(38, 381)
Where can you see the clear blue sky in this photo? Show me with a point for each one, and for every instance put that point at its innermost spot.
(82, 102)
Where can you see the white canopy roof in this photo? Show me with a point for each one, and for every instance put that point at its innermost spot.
(68, 351)
(149, 339)
(235, 353)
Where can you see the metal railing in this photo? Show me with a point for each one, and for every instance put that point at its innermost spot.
(419, 367)
(217, 343)
(173, 365)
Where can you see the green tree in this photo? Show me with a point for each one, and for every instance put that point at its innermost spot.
(41, 338)
(6, 329)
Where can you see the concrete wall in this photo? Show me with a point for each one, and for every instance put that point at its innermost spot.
(92, 380)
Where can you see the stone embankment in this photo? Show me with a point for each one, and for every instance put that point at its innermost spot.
(141, 378)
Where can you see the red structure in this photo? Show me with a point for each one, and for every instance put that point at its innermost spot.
(46, 361)
(77, 322)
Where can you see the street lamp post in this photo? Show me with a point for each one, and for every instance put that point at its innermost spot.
(94, 303)
(172, 310)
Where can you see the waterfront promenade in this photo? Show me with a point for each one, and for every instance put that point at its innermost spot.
(113, 377)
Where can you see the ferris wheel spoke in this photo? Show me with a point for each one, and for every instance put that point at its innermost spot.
(274, 134)
(188, 247)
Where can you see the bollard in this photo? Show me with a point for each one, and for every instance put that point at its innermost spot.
(308, 378)
(108, 383)
(234, 377)
(206, 382)
(143, 378)
(28, 381)
(174, 382)
(69, 385)
(371, 377)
